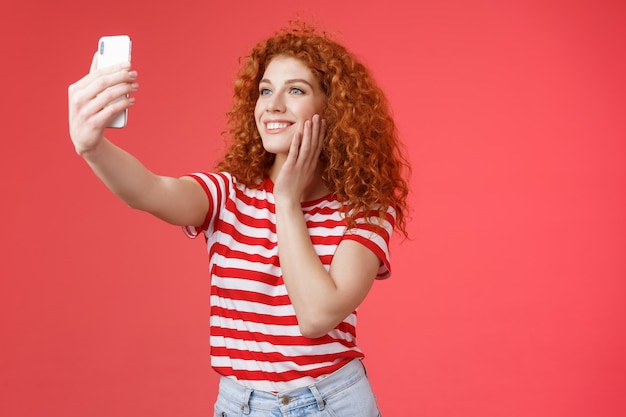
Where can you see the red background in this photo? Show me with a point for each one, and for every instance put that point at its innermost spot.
(509, 299)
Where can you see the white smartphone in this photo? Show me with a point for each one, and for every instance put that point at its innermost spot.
(113, 50)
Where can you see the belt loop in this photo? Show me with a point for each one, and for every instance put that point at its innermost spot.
(318, 397)
(246, 401)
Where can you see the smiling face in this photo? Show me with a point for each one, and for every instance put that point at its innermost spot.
(289, 95)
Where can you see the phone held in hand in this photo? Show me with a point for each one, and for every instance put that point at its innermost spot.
(113, 50)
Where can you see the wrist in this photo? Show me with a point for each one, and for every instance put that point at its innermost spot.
(89, 152)
(287, 203)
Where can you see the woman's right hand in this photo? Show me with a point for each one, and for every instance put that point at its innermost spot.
(91, 105)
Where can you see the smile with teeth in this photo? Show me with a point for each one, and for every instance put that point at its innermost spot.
(276, 125)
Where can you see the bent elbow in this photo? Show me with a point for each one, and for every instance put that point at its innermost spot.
(312, 333)
(312, 328)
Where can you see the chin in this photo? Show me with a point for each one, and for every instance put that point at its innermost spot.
(276, 147)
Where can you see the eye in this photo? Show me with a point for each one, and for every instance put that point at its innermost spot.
(295, 90)
(265, 92)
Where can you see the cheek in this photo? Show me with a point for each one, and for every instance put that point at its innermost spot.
(257, 115)
(306, 112)
(319, 107)
(257, 111)
(322, 105)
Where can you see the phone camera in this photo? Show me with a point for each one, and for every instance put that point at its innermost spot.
(101, 47)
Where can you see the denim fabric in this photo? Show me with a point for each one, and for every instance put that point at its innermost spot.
(345, 393)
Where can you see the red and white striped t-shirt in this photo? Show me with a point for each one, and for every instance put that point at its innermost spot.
(255, 337)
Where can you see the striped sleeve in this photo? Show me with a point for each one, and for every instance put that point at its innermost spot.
(375, 235)
(216, 187)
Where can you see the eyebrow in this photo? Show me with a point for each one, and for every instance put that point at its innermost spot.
(287, 82)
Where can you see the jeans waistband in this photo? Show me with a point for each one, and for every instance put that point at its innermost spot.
(328, 386)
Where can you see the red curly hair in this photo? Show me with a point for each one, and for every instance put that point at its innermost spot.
(362, 163)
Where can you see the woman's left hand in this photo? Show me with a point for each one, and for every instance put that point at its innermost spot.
(299, 169)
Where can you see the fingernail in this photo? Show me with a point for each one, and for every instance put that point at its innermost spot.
(133, 74)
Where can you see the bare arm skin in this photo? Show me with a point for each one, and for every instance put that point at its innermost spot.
(179, 201)
(321, 299)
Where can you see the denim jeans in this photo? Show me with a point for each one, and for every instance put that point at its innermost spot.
(345, 393)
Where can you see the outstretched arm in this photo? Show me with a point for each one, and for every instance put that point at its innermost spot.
(92, 104)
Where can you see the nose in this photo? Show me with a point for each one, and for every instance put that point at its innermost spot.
(275, 104)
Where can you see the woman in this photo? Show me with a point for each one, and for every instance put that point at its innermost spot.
(297, 218)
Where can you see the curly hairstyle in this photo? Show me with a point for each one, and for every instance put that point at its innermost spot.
(362, 161)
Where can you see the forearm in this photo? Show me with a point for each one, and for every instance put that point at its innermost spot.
(123, 174)
(311, 288)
